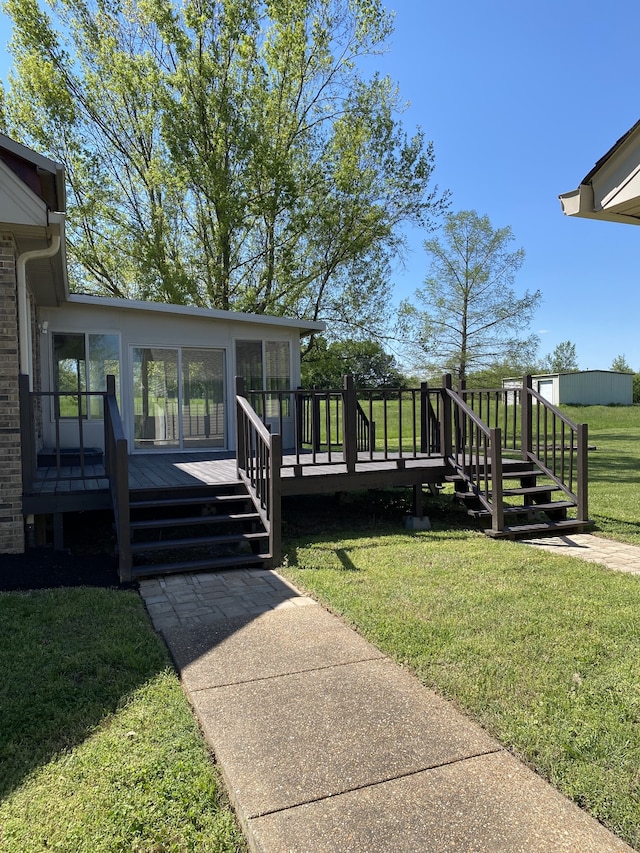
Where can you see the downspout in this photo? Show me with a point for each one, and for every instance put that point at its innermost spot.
(24, 319)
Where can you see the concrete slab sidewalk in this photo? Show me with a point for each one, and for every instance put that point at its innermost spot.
(326, 745)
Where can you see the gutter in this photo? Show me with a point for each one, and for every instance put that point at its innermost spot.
(24, 320)
(580, 202)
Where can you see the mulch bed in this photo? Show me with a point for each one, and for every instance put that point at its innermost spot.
(88, 559)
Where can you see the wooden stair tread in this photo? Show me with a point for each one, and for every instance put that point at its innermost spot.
(213, 564)
(153, 503)
(195, 541)
(506, 475)
(524, 491)
(530, 490)
(522, 510)
(153, 523)
(541, 528)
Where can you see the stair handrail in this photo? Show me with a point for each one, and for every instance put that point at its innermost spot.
(258, 466)
(474, 450)
(117, 470)
(550, 454)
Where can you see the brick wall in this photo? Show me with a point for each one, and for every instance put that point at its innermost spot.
(11, 520)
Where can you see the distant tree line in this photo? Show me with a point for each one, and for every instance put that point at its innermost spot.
(327, 362)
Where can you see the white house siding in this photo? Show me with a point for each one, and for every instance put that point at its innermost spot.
(157, 326)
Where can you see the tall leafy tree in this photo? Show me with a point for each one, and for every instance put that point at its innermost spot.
(621, 364)
(468, 316)
(224, 153)
(563, 359)
(367, 361)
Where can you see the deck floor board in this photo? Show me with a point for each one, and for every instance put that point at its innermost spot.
(183, 470)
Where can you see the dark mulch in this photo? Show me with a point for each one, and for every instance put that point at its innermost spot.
(88, 559)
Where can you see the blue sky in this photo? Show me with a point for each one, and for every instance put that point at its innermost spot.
(520, 100)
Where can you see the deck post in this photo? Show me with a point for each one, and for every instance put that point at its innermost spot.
(418, 509)
(240, 437)
(526, 432)
(117, 471)
(275, 501)
(582, 475)
(446, 439)
(298, 411)
(27, 434)
(315, 421)
(497, 512)
(349, 425)
(111, 392)
(424, 417)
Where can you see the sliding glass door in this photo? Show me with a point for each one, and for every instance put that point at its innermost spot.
(178, 398)
(202, 398)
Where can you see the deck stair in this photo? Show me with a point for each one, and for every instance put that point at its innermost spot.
(195, 529)
(531, 508)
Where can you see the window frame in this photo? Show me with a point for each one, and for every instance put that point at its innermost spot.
(87, 414)
(271, 404)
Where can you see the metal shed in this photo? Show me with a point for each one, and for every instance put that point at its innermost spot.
(583, 388)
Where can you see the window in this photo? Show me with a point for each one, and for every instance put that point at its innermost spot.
(82, 362)
(265, 365)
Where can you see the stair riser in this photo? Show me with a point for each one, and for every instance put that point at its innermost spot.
(196, 531)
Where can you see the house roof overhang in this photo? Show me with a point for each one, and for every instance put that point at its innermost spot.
(611, 190)
(304, 327)
(32, 206)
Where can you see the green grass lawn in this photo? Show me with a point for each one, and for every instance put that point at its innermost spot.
(543, 650)
(614, 468)
(99, 750)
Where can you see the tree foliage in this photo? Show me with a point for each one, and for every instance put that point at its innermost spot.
(621, 365)
(223, 153)
(468, 316)
(563, 359)
(371, 367)
(492, 376)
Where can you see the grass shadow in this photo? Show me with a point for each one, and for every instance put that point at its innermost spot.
(70, 658)
(357, 516)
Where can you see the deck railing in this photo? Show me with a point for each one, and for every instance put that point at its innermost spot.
(540, 433)
(557, 445)
(76, 413)
(116, 460)
(350, 426)
(117, 471)
(498, 407)
(258, 463)
(474, 450)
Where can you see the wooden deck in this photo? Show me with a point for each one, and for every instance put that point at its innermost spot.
(68, 492)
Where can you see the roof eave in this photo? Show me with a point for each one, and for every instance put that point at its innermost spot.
(580, 203)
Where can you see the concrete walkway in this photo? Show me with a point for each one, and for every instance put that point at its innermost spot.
(326, 745)
(594, 549)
